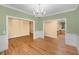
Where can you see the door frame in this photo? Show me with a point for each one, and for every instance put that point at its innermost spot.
(57, 20)
(22, 19)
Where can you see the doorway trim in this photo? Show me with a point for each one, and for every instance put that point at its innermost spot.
(57, 20)
(65, 23)
(22, 19)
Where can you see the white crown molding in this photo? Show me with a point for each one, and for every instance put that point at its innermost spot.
(15, 9)
(73, 9)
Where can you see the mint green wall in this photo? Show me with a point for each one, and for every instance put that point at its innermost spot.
(39, 24)
(6, 11)
(77, 26)
(71, 20)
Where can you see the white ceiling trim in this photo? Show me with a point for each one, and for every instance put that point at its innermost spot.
(46, 15)
(15, 9)
(73, 9)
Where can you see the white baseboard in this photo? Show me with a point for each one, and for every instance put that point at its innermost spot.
(38, 34)
(3, 42)
(71, 39)
(14, 36)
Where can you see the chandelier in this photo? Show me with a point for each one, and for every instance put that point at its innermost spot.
(39, 11)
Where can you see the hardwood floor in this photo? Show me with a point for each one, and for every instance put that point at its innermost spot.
(48, 46)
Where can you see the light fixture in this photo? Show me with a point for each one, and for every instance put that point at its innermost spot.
(39, 11)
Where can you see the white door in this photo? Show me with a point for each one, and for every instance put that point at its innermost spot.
(50, 28)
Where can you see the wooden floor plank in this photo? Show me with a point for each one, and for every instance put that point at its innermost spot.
(48, 46)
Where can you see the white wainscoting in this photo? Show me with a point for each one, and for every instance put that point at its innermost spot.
(39, 34)
(71, 39)
(3, 42)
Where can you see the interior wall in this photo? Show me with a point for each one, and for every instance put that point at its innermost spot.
(17, 28)
(50, 28)
(77, 22)
(71, 18)
(77, 27)
(4, 11)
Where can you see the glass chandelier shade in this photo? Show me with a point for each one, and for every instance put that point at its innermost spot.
(39, 11)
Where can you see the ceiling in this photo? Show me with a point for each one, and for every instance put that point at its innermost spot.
(51, 9)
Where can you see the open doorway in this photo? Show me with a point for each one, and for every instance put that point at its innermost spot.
(55, 28)
(50, 28)
(61, 29)
(55, 31)
(18, 27)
